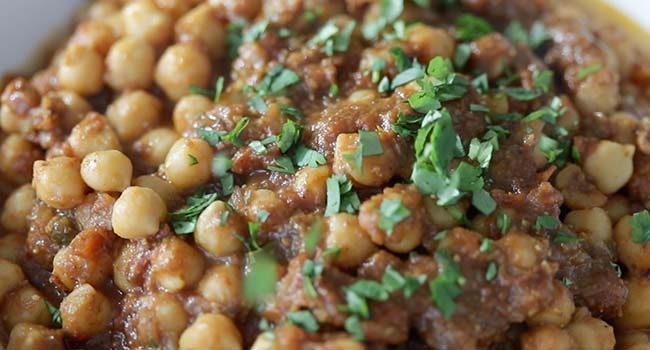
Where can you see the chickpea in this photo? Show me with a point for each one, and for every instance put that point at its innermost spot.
(591, 333)
(440, 215)
(632, 341)
(597, 93)
(376, 170)
(634, 256)
(217, 229)
(81, 70)
(85, 312)
(265, 200)
(595, 222)
(17, 156)
(560, 310)
(577, 191)
(200, 25)
(11, 276)
(12, 122)
(133, 113)
(610, 165)
(310, 184)
(176, 265)
(188, 163)
(345, 233)
(181, 66)
(130, 64)
(16, 209)
(153, 146)
(11, 246)
(547, 337)
(161, 317)
(143, 20)
(211, 332)
(25, 304)
(91, 135)
(176, 8)
(266, 341)
(636, 311)
(27, 336)
(138, 213)
(107, 171)
(238, 8)
(130, 264)
(222, 285)
(430, 42)
(58, 182)
(68, 105)
(404, 235)
(618, 206)
(87, 259)
(95, 35)
(167, 192)
(101, 9)
(623, 126)
(522, 249)
(188, 109)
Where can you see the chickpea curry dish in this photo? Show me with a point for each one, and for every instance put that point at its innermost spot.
(328, 175)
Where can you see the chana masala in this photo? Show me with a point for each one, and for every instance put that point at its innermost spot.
(328, 175)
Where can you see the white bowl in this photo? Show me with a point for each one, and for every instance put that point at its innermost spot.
(27, 25)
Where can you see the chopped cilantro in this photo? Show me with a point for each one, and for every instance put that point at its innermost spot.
(491, 271)
(641, 227)
(332, 38)
(305, 156)
(369, 145)
(183, 221)
(260, 280)
(551, 148)
(503, 223)
(276, 81)
(483, 201)
(461, 55)
(589, 70)
(392, 212)
(368, 289)
(221, 164)
(310, 271)
(234, 36)
(340, 196)
(213, 137)
(407, 125)
(292, 111)
(534, 38)
(334, 90)
(262, 216)
(481, 83)
(547, 222)
(54, 313)
(282, 164)
(312, 237)
(389, 11)
(470, 27)
(478, 108)
(392, 280)
(563, 237)
(193, 160)
(481, 152)
(353, 326)
(486, 245)
(218, 88)
(199, 90)
(290, 135)
(549, 114)
(538, 35)
(256, 31)
(522, 94)
(445, 287)
(542, 80)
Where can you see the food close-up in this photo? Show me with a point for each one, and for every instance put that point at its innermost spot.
(328, 175)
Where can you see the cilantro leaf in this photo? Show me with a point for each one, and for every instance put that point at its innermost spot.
(589, 70)
(445, 287)
(305, 156)
(260, 280)
(55, 313)
(183, 221)
(470, 27)
(563, 237)
(640, 227)
(304, 319)
(290, 135)
(340, 196)
(392, 212)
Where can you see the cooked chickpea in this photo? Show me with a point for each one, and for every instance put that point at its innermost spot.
(96, 35)
(636, 311)
(58, 182)
(402, 236)
(85, 312)
(577, 191)
(430, 42)
(16, 158)
(345, 233)
(266, 341)
(130, 64)
(11, 246)
(546, 338)
(238, 8)
(610, 165)
(591, 333)
(153, 146)
(129, 266)
(176, 265)
(181, 66)
(188, 163)
(522, 249)
(143, 20)
(93, 134)
(176, 8)
(167, 192)
(138, 213)
(12, 122)
(188, 109)
(107, 171)
(11, 276)
(560, 310)
(635, 256)
(211, 332)
(261, 200)
(200, 25)
(310, 184)
(27, 336)
(376, 170)
(440, 215)
(632, 341)
(162, 318)
(81, 70)
(133, 113)
(25, 304)
(217, 229)
(87, 259)
(102, 8)
(68, 105)
(618, 206)
(595, 222)
(222, 285)
(16, 209)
